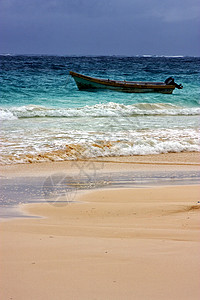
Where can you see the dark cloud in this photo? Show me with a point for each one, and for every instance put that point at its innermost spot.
(62, 7)
(126, 27)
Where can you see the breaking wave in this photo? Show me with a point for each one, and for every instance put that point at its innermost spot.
(98, 110)
(83, 145)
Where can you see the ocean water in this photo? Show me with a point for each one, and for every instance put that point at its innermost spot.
(44, 117)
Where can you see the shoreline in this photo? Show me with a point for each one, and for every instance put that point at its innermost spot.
(182, 160)
(24, 183)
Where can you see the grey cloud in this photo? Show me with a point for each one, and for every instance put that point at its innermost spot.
(81, 7)
(177, 11)
(168, 11)
(128, 27)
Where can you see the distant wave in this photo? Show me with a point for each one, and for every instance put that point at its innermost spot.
(99, 110)
(170, 56)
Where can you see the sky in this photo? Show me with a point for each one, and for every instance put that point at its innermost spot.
(100, 27)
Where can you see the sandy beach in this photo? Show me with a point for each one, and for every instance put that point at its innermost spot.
(117, 243)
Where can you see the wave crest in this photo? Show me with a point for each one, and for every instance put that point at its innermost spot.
(97, 110)
(6, 114)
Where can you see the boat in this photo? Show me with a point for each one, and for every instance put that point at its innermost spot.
(84, 82)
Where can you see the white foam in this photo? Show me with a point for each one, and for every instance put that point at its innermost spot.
(80, 144)
(6, 115)
(99, 110)
(109, 129)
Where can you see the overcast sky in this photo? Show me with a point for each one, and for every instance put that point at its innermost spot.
(100, 27)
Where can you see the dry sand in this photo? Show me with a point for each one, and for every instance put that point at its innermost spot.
(111, 244)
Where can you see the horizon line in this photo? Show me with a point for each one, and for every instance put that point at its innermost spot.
(98, 55)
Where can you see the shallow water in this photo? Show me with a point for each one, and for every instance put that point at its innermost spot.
(61, 189)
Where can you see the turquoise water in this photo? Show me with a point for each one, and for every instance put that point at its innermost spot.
(44, 116)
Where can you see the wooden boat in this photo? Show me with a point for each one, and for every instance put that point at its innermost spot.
(89, 83)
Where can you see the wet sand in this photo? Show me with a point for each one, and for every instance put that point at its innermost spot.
(173, 161)
(130, 243)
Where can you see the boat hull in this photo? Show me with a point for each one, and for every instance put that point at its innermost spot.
(89, 83)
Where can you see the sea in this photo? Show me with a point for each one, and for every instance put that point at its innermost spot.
(44, 117)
